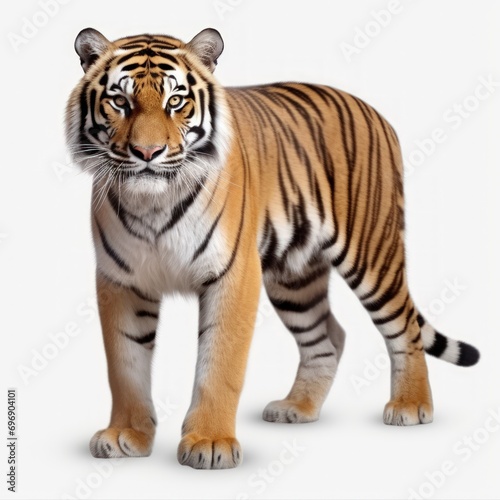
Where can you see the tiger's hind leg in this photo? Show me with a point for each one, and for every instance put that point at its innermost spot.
(384, 294)
(302, 304)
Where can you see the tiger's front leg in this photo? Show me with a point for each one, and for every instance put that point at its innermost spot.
(227, 315)
(129, 320)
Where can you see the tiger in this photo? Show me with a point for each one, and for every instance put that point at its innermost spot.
(216, 192)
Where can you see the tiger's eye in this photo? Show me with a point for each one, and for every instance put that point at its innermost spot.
(120, 101)
(175, 102)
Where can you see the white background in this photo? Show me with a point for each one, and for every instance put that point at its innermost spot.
(429, 58)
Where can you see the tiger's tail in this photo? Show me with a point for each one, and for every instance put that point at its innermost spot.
(442, 347)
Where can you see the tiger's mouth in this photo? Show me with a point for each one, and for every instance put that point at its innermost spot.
(164, 172)
(137, 174)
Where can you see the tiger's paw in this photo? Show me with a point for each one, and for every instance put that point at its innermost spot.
(289, 412)
(205, 453)
(407, 413)
(119, 443)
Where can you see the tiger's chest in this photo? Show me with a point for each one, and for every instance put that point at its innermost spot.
(158, 249)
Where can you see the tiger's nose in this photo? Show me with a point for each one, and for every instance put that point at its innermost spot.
(147, 154)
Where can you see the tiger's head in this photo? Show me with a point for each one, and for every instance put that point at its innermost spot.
(148, 111)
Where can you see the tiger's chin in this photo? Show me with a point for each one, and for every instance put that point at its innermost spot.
(153, 185)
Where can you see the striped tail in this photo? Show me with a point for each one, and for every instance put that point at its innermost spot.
(442, 347)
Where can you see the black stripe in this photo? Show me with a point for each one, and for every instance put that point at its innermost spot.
(439, 346)
(358, 278)
(208, 237)
(260, 123)
(314, 342)
(417, 338)
(132, 46)
(395, 335)
(283, 154)
(122, 214)
(201, 104)
(265, 234)
(287, 103)
(200, 133)
(350, 157)
(163, 45)
(104, 80)
(321, 91)
(145, 339)
(382, 272)
(83, 106)
(130, 67)
(329, 243)
(302, 96)
(133, 289)
(265, 94)
(323, 355)
(142, 39)
(391, 317)
(144, 52)
(181, 208)
(389, 294)
(301, 225)
(376, 204)
(235, 248)
(126, 57)
(166, 67)
(376, 196)
(146, 314)
(95, 126)
(303, 157)
(142, 295)
(403, 330)
(283, 191)
(169, 57)
(269, 258)
(204, 330)
(305, 329)
(242, 219)
(111, 252)
(104, 114)
(319, 200)
(208, 148)
(286, 305)
(329, 171)
(363, 245)
(305, 281)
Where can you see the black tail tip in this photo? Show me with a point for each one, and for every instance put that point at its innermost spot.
(469, 355)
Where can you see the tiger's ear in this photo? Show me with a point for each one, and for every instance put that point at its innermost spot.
(89, 45)
(208, 46)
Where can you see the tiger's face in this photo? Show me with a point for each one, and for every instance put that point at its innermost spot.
(148, 112)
